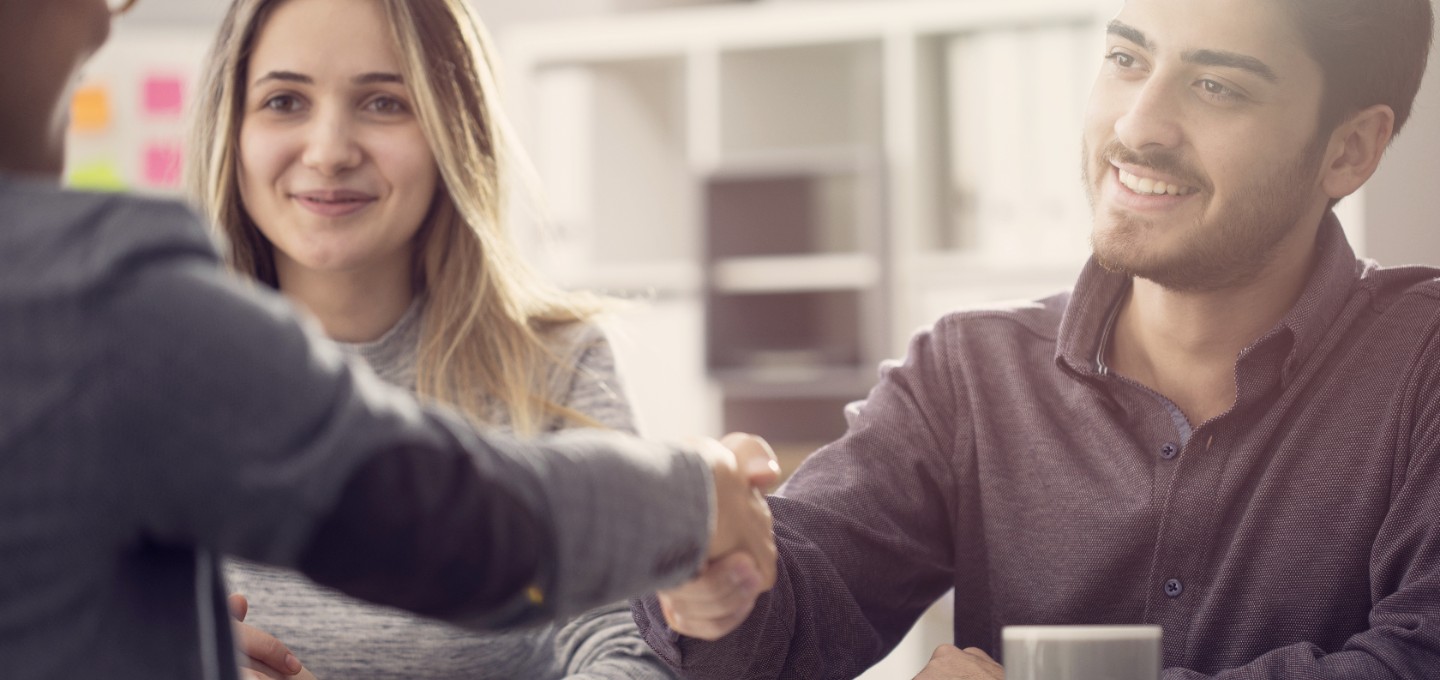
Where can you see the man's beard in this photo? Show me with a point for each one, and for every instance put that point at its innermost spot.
(1227, 250)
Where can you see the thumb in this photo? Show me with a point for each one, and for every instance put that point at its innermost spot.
(239, 606)
(755, 459)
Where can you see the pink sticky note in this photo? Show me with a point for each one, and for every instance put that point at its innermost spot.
(164, 95)
(162, 164)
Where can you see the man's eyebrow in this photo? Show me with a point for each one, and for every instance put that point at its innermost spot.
(1130, 33)
(1201, 57)
(1231, 60)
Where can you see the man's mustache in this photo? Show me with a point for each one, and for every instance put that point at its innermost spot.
(1167, 162)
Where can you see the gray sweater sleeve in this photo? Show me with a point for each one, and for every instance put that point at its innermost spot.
(604, 643)
(259, 436)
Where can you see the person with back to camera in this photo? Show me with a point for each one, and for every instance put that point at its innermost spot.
(156, 413)
(1230, 427)
(353, 156)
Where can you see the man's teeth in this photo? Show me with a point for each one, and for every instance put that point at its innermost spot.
(1145, 185)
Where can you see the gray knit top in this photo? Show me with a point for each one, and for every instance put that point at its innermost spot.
(339, 638)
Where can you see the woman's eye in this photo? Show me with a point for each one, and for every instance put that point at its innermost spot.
(388, 105)
(281, 103)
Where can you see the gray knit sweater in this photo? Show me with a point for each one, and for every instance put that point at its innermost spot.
(339, 638)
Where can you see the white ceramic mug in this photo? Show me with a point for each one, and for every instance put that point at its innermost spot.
(1081, 652)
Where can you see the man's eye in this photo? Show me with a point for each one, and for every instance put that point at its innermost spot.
(1220, 92)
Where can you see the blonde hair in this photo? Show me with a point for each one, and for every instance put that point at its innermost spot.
(486, 312)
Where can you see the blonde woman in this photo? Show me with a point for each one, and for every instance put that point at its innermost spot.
(353, 156)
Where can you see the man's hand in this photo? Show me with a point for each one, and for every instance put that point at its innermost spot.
(952, 663)
(743, 467)
(742, 549)
(262, 655)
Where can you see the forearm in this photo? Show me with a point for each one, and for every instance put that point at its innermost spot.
(815, 622)
(402, 510)
(1373, 655)
(553, 527)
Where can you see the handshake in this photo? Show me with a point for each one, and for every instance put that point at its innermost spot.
(740, 561)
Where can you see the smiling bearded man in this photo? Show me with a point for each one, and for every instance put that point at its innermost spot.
(1230, 427)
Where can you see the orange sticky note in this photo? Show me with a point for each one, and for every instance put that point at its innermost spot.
(90, 109)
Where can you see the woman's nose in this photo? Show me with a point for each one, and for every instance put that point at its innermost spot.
(330, 145)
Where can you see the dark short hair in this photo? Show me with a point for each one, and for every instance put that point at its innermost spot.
(1370, 51)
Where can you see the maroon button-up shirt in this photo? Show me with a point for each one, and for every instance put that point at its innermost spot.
(1295, 536)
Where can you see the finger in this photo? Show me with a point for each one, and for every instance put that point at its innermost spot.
(239, 606)
(263, 670)
(712, 629)
(760, 542)
(984, 661)
(948, 662)
(944, 651)
(702, 627)
(976, 651)
(251, 673)
(717, 602)
(726, 586)
(264, 648)
(755, 459)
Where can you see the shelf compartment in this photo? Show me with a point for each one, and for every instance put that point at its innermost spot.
(794, 381)
(780, 332)
(795, 427)
(789, 212)
(801, 97)
(794, 274)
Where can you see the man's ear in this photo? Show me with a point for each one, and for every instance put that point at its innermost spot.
(1356, 147)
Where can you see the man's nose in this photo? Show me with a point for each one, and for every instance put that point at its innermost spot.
(1152, 119)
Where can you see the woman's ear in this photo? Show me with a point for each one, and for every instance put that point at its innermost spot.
(1356, 147)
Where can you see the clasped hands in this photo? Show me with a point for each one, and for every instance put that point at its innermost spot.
(740, 562)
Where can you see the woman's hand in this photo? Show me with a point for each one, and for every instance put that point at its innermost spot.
(263, 656)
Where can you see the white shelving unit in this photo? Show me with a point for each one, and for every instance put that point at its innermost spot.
(818, 179)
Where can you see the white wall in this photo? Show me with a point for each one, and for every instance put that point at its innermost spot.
(498, 14)
(1402, 201)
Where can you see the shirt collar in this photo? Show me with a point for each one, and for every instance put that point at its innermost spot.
(1088, 319)
(1335, 275)
(1085, 326)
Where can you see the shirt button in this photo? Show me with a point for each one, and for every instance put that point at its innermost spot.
(1169, 451)
(1174, 587)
